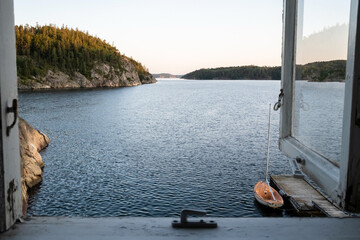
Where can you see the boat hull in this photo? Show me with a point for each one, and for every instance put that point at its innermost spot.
(263, 195)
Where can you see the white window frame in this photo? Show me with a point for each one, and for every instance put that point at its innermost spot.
(332, 177)
(10, 171)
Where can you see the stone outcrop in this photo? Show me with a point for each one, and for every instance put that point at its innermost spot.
(102, 75)
(148, 79)
(32, 142)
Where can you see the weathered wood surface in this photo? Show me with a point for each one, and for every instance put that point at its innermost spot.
(148, 228)
(328, 209)
(303, 196)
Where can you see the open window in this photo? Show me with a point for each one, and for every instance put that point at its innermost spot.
(319, 123)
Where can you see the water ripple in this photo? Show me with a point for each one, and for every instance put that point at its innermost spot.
(155, 149)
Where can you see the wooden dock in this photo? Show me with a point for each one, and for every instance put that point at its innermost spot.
(304, 197)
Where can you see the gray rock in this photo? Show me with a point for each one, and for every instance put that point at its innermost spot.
(103, 75)
(31, 143)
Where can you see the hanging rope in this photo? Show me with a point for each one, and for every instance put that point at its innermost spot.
(278, 104)
(267, 157)
(268, 145)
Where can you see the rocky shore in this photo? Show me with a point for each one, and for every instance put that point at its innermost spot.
(102, 75)
(32, 142)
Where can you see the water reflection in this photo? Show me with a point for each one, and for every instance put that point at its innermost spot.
(321, 54)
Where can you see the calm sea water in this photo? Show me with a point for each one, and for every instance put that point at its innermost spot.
(153, 150)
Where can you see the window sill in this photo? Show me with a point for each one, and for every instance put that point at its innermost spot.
(322, 171)
(160, 228)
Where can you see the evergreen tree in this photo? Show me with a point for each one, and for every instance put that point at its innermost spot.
(42, 48)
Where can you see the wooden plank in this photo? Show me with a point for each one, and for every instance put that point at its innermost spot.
(150, 228)
(303, 196)
(328, 209)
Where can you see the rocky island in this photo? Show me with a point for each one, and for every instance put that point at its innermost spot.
(52, 57)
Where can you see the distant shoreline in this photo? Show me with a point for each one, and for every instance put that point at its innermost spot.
(301, 80)
(327, 71)
(166, 75)
(66, 89)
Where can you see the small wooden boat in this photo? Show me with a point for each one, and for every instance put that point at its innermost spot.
(268, 196)
(264, 193)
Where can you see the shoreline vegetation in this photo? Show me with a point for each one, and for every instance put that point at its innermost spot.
(328, 71)
(49, 57)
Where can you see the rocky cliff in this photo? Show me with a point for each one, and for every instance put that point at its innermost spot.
(52, 57)
(102, 75)
(32, 142)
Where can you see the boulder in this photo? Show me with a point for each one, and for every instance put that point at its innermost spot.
(32, 142)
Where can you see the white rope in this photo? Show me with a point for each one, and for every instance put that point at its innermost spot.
(267, 158)
(268, 146)
(271, 191)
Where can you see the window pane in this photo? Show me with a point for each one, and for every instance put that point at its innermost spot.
(321, 53)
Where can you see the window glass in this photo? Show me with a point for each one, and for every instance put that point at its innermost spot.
(321, 52)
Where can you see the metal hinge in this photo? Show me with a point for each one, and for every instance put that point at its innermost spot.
(278, 104)
(12, 109)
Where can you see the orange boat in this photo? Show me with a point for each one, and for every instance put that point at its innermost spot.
(267, 195)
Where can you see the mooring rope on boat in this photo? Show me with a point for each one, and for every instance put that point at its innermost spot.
(267, 158)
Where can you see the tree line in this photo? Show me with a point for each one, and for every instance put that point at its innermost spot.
(316, 71)
(41, 48)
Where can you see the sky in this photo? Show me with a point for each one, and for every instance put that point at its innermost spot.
(178, 36)
(323, 34)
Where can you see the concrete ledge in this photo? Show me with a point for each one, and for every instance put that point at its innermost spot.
(160, 228)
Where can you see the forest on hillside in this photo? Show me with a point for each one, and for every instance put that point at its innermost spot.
(316, 71)
(41, 48)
